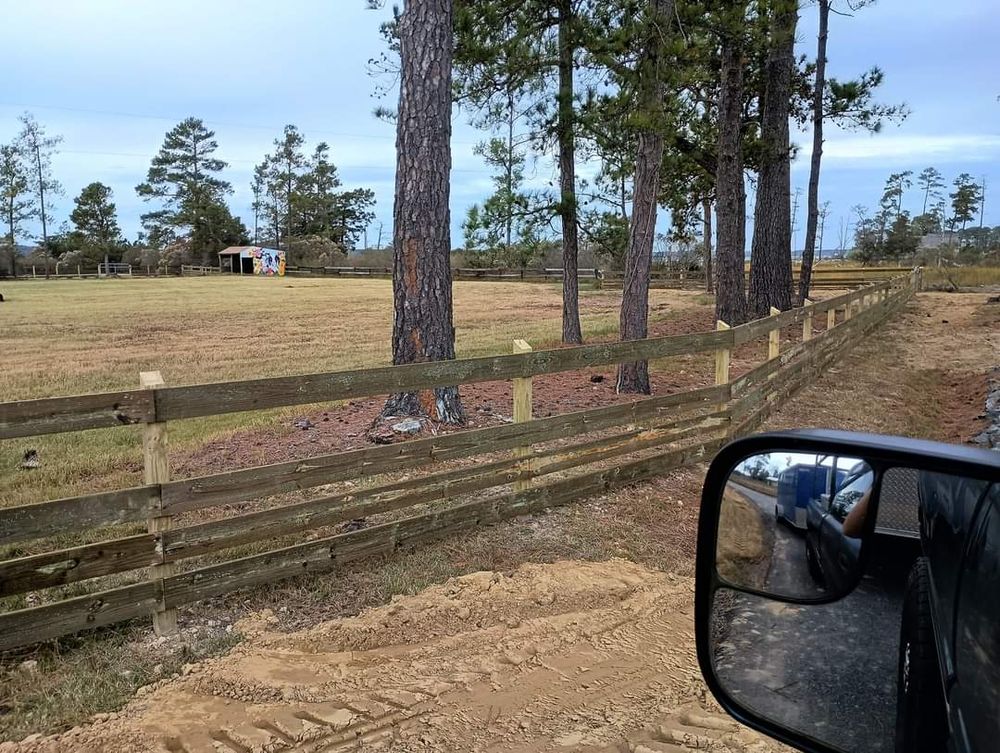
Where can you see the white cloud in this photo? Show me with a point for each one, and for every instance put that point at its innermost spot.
(904, 149)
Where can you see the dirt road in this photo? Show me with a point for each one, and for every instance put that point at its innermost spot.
(564, 657)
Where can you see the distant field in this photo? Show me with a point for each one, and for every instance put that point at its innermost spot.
(945, 278)
(65, 337)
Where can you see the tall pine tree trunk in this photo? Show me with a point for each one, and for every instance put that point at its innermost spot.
(730, 194)
(571, 332)
(633, 377)
(41, 196)
(771, 249)
(706, 219)
(421, 280)
(13, 242)
(812, 217)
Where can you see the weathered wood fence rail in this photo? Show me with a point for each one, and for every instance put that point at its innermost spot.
(643, 438)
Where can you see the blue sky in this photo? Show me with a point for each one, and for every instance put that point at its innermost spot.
(112, 76)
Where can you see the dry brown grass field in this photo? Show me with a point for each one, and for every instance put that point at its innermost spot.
(66, 337)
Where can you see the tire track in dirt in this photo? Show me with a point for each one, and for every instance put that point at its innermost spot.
(572, 656)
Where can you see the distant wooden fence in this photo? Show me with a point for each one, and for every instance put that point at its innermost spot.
(194, 269)
(824, 276)
(642, 439)
(457, 273)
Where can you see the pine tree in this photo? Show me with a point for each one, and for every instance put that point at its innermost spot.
(964, 201)
(423, 328)
(849, 105)
(38, 148)
(287, 164)
(648, 80)
(771, 248)
(730, 253)
(504, 231)
(931, 181)
(18, 200)
(184, 177)
(503, 47)
(95, 219)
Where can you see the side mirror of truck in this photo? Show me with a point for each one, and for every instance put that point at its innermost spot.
(799, 613)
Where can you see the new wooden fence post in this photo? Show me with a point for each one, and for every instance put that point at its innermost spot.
(722, 360)
(831, 317)
(807, 322)
(156, 467)
(773, 338)
(522, 413)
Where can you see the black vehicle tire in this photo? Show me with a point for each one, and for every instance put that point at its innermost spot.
(812, 559)
(921, 720)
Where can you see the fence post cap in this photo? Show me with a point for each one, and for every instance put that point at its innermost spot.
(774, 311)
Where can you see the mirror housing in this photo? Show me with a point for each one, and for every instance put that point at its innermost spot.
(884, 455)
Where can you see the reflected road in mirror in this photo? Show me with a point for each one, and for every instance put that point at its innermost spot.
(826, 670)
(781, 564)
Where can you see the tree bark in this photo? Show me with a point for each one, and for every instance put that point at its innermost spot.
(812, 216)
(771, 249)
(730, 193)
(633, 377)
(41, 201)
(571, 331)
(423, 328)
(706, 219)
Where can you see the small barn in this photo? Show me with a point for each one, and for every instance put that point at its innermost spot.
(252, 260)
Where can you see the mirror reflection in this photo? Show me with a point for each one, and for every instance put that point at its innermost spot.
(790, 523)
(861, 673)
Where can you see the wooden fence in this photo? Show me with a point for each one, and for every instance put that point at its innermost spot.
(824, 277)
(832, 276)
(142, 573)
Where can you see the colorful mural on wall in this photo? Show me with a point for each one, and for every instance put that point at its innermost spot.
(268, 262)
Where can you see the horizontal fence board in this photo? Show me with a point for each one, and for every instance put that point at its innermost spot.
(222, 488)
(26, 626)
(205, 538)
(77, 563)
(51, 518)
(229, 397)
(326, 554)
(191, 541)
(51, 415)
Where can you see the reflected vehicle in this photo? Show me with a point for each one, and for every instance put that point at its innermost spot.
(803, 484)
(879, 640)
(832, 554)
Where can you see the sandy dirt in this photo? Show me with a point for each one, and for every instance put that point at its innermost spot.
(923, 373)
(570, 656)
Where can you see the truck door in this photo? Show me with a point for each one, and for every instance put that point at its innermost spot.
(974, 699)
